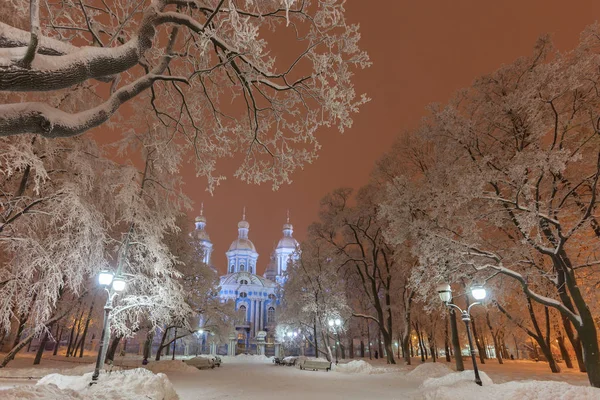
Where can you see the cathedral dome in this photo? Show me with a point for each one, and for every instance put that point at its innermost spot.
(287, 242)
(242, 244)
(243, 224)
(200, 234)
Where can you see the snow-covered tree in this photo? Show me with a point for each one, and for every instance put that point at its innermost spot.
(53, 224)
(511, 178)
(210, 71)
(355, 233)
(314, 293)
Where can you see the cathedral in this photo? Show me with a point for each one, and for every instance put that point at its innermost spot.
(255, 296)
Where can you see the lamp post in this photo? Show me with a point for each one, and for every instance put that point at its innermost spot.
(478, 292)
(113, 285)
(334, 324)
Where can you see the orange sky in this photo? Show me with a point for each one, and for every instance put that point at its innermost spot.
(422, 51)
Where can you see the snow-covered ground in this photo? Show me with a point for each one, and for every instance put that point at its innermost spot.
(257, 378)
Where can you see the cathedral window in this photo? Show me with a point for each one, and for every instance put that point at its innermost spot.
(243, 295)
(242, 267)
(231, 268)
(272, 297)
(243, 282)
(242, 311)
(271, 315)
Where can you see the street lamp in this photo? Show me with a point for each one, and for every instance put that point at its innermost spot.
(113, 285)
(334, 325)
(479, 293)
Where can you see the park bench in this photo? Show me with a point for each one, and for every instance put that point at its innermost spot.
(200, 362)
(289, 361)
(216, 360)
(316, 365)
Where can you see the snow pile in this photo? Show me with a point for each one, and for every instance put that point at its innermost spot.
(170, 366)
(39, 372)
(360, 367)
(247, 359)
(50, 392)
(526, 390)
(456, 377)
(126, 385)
(429, 370)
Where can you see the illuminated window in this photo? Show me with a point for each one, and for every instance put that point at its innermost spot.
(271, 315)
(242, 311)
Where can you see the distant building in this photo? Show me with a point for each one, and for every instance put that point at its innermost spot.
(255, 296)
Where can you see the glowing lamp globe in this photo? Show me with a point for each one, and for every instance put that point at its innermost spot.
(478, 292)
(105, 278)
(295, 334)
(201, 331)
(330, 322)
(289, 334)
(445, 292)
(338, 322)
(119, 284)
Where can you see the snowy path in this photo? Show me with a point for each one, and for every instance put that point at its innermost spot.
(255, 378)
(268, 381)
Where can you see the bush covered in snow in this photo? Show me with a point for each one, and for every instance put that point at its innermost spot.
(39, 372)
(46, 392)
(360, 367)
(123, 385)
(170, 366)
(429, 370)
(524, 390)
(455, 377)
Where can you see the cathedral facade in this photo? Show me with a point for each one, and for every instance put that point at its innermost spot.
(255, 297)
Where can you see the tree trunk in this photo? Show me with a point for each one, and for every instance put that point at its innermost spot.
(148, 344)
(446, 338)
(351, 346)
(58, 337)
(370, 343)
(432, 347)
(460, 366)
(563, 349)
(110, 354)
(162, 343)
(41, 348)
(19, 332)
(420, 341)
(494, 334)
(317, 338)
(477, 340)
(406, 345)
(379, 343)
(78, 333)
(174, 342)
(11, 354)
(362, 348)
(85, 328)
